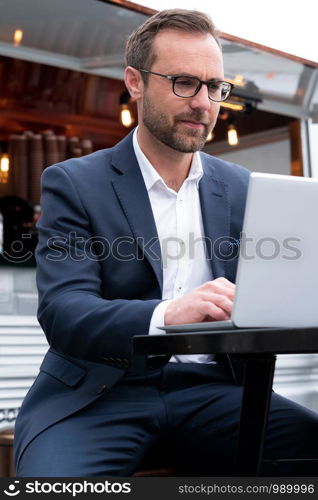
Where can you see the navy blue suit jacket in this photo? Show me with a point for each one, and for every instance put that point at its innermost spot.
(99, 272)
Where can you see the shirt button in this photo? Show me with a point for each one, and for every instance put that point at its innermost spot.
(101, 388)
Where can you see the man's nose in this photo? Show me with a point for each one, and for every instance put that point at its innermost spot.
(201, 100)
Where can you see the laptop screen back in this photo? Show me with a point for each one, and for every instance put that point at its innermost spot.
(277, 277)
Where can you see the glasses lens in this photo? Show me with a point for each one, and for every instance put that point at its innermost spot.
(219, 91)
(185, 86)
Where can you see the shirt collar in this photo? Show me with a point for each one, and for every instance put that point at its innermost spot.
(150, 174)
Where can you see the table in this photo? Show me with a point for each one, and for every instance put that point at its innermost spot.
(258, 347)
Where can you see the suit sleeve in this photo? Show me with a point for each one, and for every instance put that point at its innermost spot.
(75, 317)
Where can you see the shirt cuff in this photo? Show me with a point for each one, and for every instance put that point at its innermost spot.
(158, 318)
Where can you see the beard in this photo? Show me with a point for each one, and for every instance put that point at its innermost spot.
(176, 136)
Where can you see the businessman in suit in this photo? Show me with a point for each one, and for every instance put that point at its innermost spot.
(131, 238)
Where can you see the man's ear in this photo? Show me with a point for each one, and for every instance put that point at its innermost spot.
(134, 82)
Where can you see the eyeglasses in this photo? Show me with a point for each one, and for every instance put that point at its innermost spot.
(189, 86)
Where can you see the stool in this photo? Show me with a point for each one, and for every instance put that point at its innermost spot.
(6, 454)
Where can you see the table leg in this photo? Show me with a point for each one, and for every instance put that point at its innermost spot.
(259, 374)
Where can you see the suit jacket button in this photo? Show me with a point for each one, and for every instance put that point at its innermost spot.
(101, 389)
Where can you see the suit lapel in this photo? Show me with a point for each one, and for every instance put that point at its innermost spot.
(133, 197)
(215, 208)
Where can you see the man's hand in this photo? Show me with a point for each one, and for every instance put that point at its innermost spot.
(211, 301)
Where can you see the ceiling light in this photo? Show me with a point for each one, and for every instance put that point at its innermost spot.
(17, 37)
(239, 80)
(4, 168)
(126, 116)
(210, 136)
(232, 135)
(233, 106)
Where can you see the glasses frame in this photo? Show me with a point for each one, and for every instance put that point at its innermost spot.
(173, 79)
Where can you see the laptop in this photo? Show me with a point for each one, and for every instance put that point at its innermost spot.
(277, 275)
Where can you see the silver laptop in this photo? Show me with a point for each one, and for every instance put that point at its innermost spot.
(277, 276)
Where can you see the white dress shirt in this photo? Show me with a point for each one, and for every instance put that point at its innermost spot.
(179, 225)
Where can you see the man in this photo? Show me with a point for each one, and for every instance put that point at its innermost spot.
(124, 248)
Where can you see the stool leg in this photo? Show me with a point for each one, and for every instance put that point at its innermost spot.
(5, 461)
(259, 374)
(11, 462)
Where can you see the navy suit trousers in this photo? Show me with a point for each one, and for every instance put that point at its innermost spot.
(191, 410)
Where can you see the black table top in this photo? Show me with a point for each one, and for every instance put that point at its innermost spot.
(234, 341)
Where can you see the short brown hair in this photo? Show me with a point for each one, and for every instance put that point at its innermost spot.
(139, 47)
